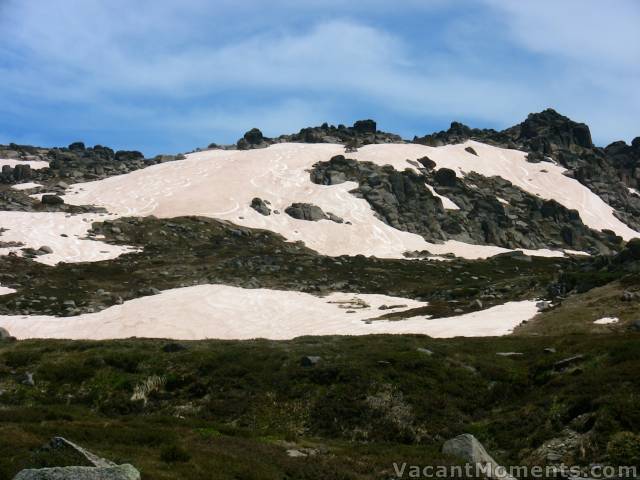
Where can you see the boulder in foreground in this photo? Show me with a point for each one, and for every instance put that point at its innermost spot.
(468, 448)
(119, 472)
(66, 460)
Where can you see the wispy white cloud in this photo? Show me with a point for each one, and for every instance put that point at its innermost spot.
(174, 65)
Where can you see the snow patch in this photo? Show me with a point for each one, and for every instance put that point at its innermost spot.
(607, 321)
(447, 203)
(6, 290)
(34, 164)
(226, 312)
(25, 186)
(36, 229)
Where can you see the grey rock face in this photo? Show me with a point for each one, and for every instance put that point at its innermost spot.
(4, 333)
(468, 448)
(403, 201)
(605, 171)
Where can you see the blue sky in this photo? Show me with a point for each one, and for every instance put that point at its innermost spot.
(171, 75)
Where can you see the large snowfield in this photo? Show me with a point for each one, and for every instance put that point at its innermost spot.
(226, 312)
(221, 184)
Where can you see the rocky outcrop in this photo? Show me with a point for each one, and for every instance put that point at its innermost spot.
(19, 173)
(75, 163)
(305, 211)
(570, 448)
(363, 132)
(467, 447)
(19, 201)
(626, 159)
(253, 139)
(52, 200)
(402, 200)
(609, 172)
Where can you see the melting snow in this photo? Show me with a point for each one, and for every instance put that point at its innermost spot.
(447, 203)
(226, 312)
(607, 321)
(25, 186)
(6, 290)
(35, 164)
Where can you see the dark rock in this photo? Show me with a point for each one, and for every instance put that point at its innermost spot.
(445, 177)
(365, 126)
(427, 163)
(148, 291)
(77, 146)
(254, 136)
(334, 218)
(310, 361)
(305, 211)
(633, 247)
(260, 206)
(534, 157)
(471, 151)
(128, 155)
(52, 200)
(390, 307)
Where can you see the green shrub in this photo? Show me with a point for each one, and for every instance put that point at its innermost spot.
(174, 454)
(125, 361)
(66, 371)
(624, 449)
(21, 358)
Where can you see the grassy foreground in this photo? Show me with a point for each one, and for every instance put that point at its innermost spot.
(230, 410)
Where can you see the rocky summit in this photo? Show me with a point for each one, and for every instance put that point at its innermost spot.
(340, 302)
